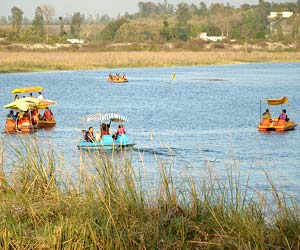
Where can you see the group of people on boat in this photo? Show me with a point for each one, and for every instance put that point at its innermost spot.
(30, 117)
(117, 77)
(104, 130)
(40, 96)
(267, 116)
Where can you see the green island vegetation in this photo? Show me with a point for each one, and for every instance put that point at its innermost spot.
(245, 30)
(108, 204)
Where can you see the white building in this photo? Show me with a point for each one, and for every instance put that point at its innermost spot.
(283, 14)
(76, 41)
(205, 37)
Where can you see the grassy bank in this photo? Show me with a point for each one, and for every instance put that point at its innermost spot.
(47, 61)
(105, 206)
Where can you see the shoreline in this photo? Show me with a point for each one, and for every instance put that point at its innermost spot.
(14, 62)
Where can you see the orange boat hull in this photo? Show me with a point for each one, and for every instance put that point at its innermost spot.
(281, 125)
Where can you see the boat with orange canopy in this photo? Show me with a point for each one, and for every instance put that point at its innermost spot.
(276, 124)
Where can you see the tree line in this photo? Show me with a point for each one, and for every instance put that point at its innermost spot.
(182, 22)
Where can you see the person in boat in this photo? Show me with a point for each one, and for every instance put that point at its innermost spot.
(34, 116)
(48, 115)
(16, 116)
(40, 96)
(120, 131)
(283, 116)
(31, 95)
(16, 97)
(104, 129)
(267, 115)
(11, 114)
(89, 135)
(124, 77)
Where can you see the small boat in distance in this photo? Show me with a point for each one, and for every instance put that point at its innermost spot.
(117, 78)
(282, 123)
(104, 140)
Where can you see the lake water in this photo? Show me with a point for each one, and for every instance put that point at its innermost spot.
(208, 114)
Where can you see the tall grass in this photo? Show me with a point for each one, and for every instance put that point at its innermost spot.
(104, 205)
(44, 61)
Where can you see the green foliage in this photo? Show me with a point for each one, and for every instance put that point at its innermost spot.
(126, 33)
(108, 33)
(165, 32)
(38, 25)
(211, 29)
(16, 19)
(182, 29)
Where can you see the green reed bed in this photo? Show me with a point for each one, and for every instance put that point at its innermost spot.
(106, 204)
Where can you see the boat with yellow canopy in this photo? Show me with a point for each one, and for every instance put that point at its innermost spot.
(27, 90)
(275, 124)
(27, 109)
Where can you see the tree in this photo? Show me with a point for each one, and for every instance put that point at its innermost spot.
(203, 9)
(182, 28)
(110, 30)
(165, 31)
(38, 23)
(16, 19)
(76, 24)
(48, 13)
(148, 8)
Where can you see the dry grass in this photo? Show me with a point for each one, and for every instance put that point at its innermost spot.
(43, 61)
(106, 205)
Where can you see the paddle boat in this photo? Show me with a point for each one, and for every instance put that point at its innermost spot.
(275, 124)
(27, 117)
(117, 78)
(104, 141)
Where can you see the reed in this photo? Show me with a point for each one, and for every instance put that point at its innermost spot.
(46, 61)
(106, 204)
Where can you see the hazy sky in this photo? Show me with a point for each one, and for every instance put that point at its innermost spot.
(110, 7)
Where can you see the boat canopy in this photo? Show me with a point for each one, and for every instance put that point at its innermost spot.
(105, 117)
(29, 103)
(279, 101)
(27, 89)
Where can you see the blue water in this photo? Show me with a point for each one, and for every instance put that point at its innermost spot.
(208, 115)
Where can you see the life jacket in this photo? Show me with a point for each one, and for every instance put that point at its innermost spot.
(48, 114)
(121, 131)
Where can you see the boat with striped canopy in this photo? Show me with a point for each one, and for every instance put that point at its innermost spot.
(104, 140)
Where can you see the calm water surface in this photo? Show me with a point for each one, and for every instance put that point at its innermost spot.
(209, 114)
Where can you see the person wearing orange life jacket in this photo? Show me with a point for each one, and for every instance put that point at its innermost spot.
(48, 114)
(34, 116)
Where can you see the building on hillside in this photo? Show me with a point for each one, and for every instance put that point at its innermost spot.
(205, 37)
(75, 41)
(283, 14)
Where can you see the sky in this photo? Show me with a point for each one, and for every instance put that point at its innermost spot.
(87, 7)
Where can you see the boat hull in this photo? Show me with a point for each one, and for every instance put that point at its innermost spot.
(46, 123)
(107, 144)
(120, 80)
(280, 125)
